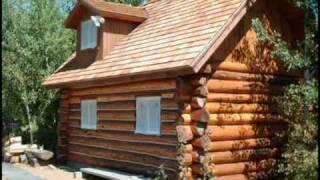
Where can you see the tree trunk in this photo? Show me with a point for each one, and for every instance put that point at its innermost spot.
(29, 122)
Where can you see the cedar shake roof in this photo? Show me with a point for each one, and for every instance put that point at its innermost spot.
(178, 36)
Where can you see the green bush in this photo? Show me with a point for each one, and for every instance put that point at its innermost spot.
(298, 105)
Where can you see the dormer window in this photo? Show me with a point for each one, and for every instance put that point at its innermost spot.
(88, 34)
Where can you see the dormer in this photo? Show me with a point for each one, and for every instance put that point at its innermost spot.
(100, 26)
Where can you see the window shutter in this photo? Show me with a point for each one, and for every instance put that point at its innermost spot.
(148, 115)
(88, 114)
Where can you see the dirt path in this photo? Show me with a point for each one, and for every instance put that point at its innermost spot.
(48, 173)
(10, 172)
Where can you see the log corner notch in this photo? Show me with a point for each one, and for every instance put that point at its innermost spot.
(192, 95)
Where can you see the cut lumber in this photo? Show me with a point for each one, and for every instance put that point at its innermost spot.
(15, 140)
(207, 69)
(199, 131)
(185, 148)
(186, 159)
(198, 102)
(237, 132)
(243, 118)
(240, 155)
(201, 142)
(186, 118)
(199, 81)
(23, 159)
(201, 115)
(14, 159)
(238, 168)
(201, 91)
(16, 148)
(185, 172)
(184, 133)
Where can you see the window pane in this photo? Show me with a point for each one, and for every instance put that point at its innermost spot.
(141, 120)
(83, 35)
(92, 35)
(154, 116)
(93, 114)
(84, 114)
(88, 34)
(148, 115)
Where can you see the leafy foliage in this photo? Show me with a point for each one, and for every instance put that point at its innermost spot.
(299, 105)
(160, 174)
(34, 44)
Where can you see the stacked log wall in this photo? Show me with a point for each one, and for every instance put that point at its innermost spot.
(240, 140)
(62, 133)
(114, 143)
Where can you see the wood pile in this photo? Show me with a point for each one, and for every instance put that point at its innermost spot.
(16, 152)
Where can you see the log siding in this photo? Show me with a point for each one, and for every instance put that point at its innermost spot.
(114, 139)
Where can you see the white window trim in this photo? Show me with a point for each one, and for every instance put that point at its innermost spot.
(88, 34)
(90, 121)
(147, 131)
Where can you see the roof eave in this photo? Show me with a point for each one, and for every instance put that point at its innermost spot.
(118, 79)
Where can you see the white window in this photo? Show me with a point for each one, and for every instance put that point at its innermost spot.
(148, 115)
(88, 34)
(88, 114)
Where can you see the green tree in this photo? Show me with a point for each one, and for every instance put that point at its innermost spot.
(34, 44)
(299, 105)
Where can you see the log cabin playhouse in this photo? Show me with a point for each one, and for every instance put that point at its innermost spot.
(183, 83)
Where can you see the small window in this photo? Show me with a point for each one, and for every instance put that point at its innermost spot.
(88, 34)
(88, 114)
(148, 115)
